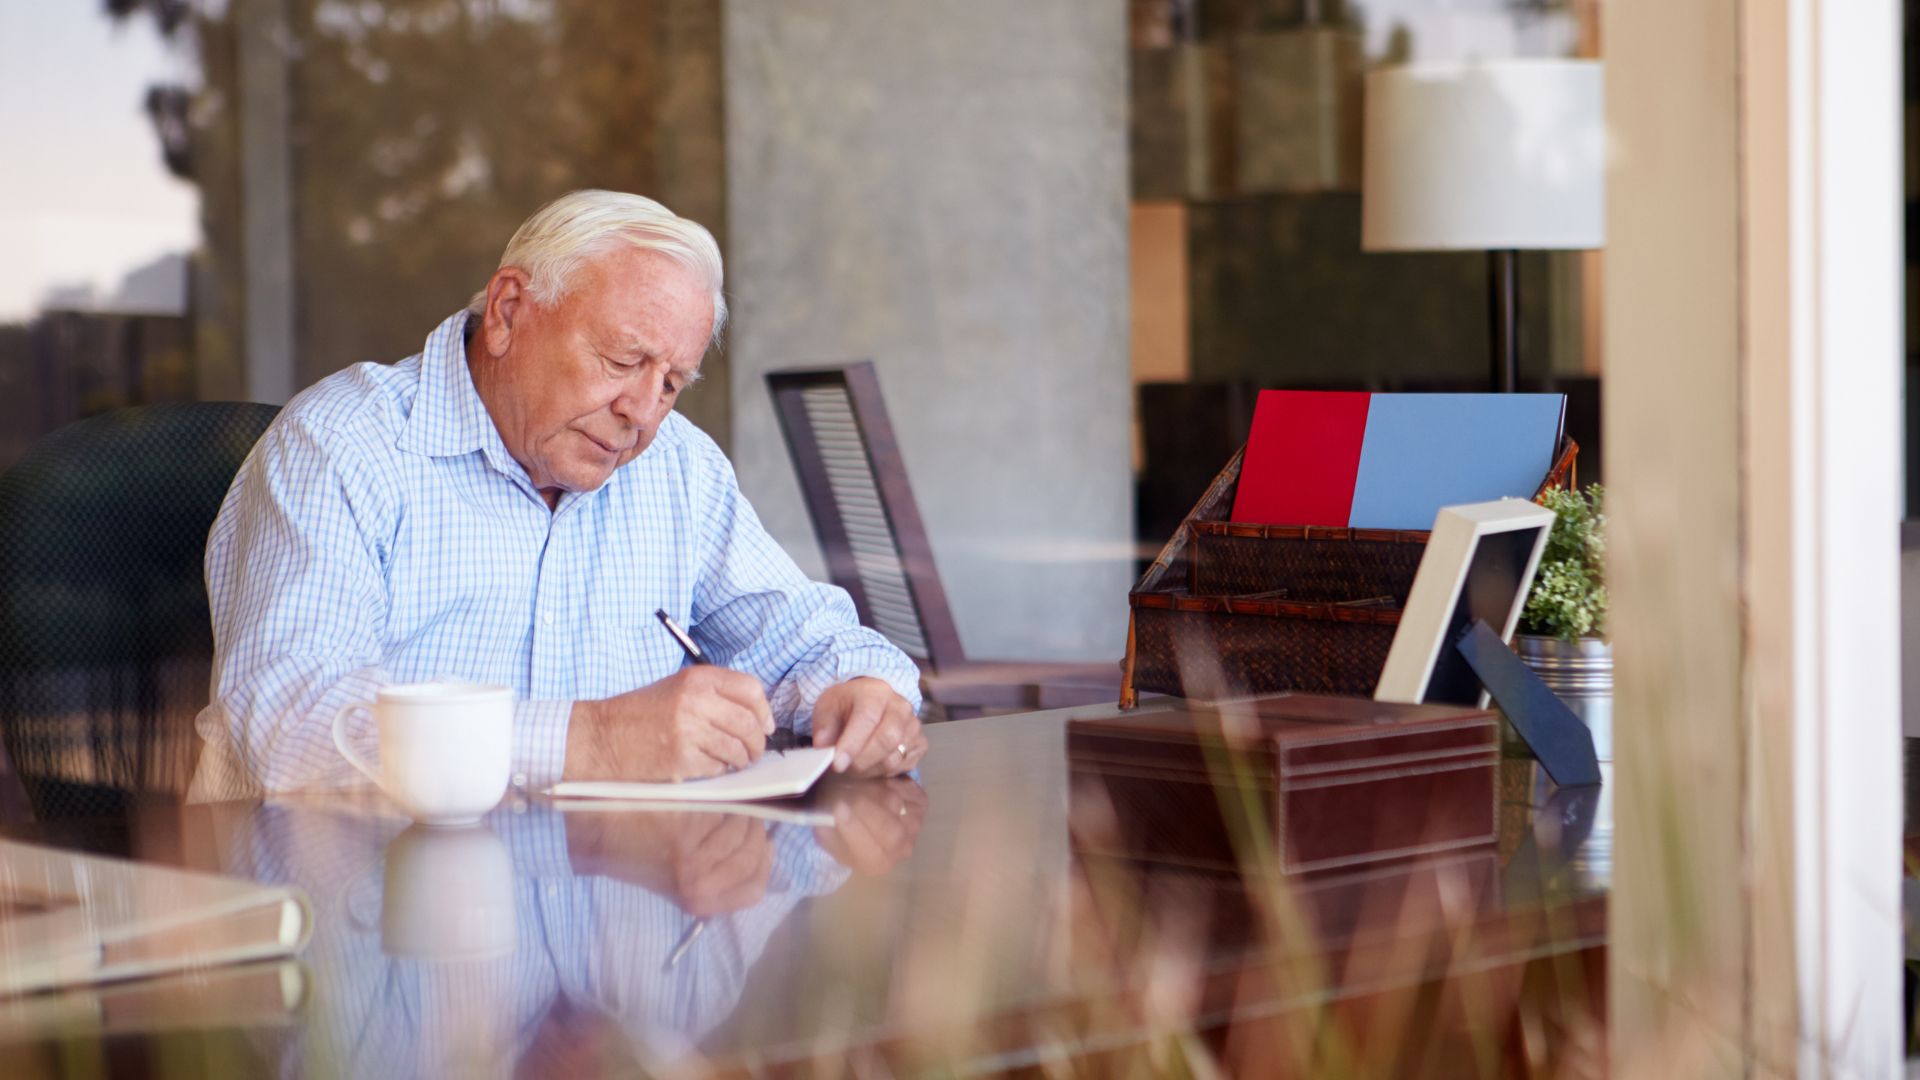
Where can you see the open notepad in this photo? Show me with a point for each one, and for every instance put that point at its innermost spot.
(777, 775)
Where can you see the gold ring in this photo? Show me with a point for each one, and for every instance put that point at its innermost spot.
(901, 749)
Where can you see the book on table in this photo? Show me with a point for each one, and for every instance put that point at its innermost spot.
(69, 918)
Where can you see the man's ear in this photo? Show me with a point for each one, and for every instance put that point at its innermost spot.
(507, 303)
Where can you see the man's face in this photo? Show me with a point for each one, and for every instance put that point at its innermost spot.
(579, 388)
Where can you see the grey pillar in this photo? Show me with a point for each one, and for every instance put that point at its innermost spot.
(942, 188)
(266, 204)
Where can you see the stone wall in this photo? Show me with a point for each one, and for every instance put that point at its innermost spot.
(942, 188)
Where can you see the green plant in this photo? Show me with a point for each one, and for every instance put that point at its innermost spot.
(1569, 598)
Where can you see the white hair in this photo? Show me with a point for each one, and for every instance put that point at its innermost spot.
(565, 233)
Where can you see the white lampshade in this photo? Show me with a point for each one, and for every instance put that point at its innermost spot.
(1485, 156)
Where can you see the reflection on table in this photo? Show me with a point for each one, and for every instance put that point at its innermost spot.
(563, 942)
(974, 922)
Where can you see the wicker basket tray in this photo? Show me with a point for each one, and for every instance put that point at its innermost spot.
(1230, 608)
(1312, 564)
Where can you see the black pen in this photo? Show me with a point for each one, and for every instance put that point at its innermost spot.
(686, 643)
(694, 655)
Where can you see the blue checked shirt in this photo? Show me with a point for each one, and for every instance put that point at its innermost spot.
(380, 533)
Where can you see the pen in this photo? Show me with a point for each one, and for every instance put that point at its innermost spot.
(686, 643)
(695, 656)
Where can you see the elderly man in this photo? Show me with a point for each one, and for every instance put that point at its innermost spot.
(512, 505)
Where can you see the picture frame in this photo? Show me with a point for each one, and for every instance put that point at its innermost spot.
(1478, 566)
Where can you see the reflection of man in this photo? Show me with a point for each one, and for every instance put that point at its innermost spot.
(606, 961)
(511, 506)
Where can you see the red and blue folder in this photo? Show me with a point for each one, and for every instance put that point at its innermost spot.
(1391, 461)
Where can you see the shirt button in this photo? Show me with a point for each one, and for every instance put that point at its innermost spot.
(519, 779)
(547, 619)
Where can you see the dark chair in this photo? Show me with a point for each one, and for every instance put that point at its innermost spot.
(869, 526)
(105, 639)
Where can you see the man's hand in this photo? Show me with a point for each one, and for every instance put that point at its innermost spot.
(874, 822)
(700, 721)
(872, 727)
(707, 863)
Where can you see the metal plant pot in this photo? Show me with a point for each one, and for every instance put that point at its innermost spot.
(1581, 673)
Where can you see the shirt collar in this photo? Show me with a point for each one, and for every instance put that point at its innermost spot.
(448, 417)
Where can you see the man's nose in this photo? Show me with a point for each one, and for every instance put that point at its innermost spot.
(631, 407)
(626, 408)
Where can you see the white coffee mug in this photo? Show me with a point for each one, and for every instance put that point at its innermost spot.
(446, 748)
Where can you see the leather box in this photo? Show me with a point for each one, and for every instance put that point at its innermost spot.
(1315, 782)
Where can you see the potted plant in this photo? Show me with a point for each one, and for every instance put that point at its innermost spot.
(1563, 628)
(1562, 637)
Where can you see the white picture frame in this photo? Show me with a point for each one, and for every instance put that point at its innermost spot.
(1479, 564)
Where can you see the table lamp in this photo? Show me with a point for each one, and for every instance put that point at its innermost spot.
(1496, 156)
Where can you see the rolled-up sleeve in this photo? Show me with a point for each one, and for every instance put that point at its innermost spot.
(755, 611)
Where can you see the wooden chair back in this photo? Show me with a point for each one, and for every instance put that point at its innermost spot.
(855, 484)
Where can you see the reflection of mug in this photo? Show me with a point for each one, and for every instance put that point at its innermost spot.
(445, 748)
(448, 896)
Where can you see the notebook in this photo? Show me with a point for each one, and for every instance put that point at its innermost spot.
(1302, 456)
(774, 776)
(1425, 451)
(68, 918)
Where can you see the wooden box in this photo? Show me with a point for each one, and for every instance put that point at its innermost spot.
(1314, 782)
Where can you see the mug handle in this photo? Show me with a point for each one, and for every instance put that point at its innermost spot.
(340, 741)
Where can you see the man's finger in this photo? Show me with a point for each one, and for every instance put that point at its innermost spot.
(695, 763)
(898, 729)
(915, 751)
(735, 721)
(744, 690)
(722, 747)
(829, 717)
(863, 717)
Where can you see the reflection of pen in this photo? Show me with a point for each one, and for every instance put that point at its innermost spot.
(686, 942)
(694, 655)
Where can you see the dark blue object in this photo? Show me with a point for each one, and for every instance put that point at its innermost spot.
(1556, 736)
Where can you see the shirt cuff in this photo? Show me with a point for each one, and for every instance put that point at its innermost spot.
(539, 743)
(881, 661)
